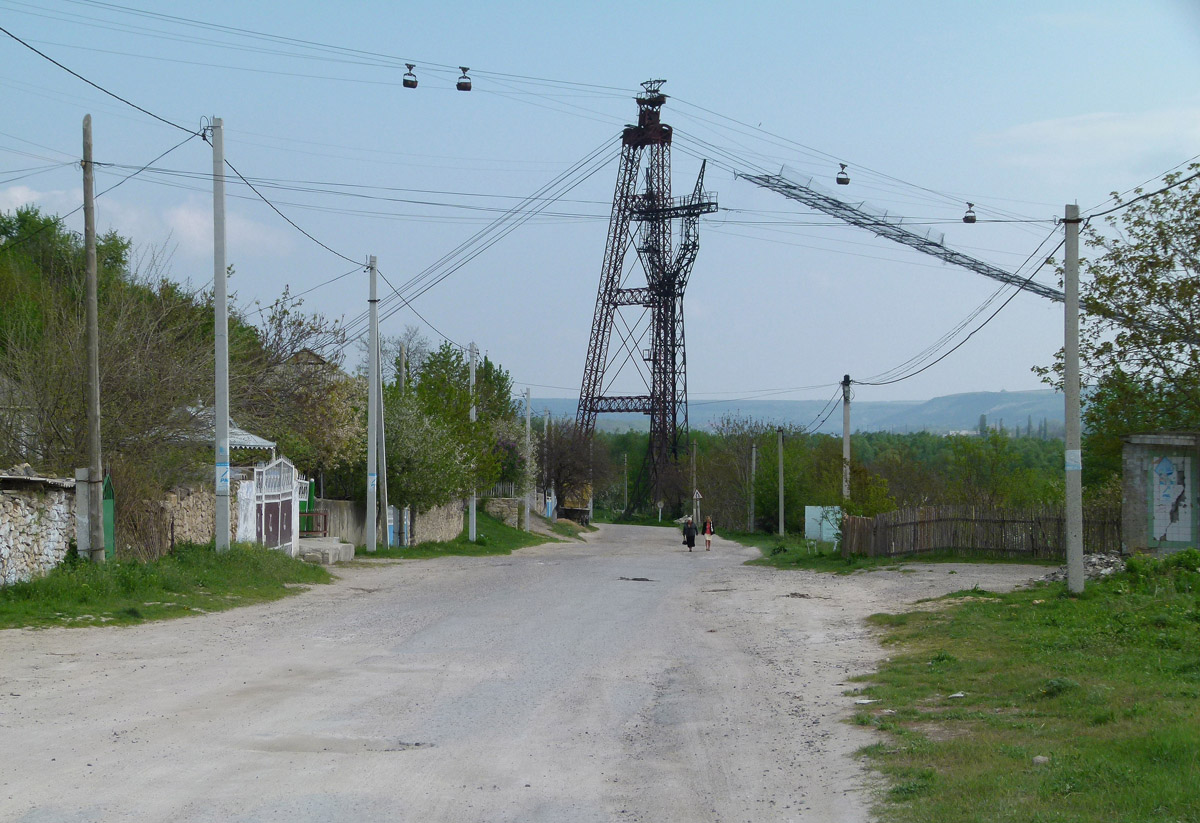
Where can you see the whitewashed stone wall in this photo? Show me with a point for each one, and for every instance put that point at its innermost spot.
(37, 524)
(439, 524)
(507, 509)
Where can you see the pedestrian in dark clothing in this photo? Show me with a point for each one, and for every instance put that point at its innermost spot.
(689, 534)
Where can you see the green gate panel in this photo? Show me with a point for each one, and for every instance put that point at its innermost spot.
(109, 506)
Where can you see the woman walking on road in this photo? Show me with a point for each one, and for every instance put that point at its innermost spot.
(689, 534)
(708, 533)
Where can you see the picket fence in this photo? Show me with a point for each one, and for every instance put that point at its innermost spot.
(1034, 533)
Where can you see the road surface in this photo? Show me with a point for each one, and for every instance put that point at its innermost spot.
(621, 679)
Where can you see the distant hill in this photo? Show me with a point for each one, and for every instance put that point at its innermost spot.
(953, 412)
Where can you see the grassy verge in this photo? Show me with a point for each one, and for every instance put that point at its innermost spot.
(189, 580)
(1105, 686)
(632, 520)
(795, 552)
(492, 537)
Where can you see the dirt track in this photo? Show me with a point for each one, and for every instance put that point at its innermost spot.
(551, 685)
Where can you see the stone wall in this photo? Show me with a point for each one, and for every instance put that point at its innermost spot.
(507, 509)
(37, 524)
(439, 524)
(186, 516)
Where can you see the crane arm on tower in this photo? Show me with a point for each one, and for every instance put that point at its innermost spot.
(928, 242)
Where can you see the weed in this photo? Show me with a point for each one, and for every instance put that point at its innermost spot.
(131, 591)
(1103, 685)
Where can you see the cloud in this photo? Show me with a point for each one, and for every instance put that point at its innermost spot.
(53, 202)
(191, 226)
(1112, 143)
(187, 227)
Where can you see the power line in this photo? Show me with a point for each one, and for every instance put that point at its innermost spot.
(58, 220)
(284, 216)
(95, 85)
(1129, 203)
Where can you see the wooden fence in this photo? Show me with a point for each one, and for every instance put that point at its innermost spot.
(1033, 533)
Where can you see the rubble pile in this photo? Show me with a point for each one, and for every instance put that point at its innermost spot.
(1095, 567)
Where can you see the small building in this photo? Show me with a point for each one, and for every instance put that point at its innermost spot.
(1159, 503)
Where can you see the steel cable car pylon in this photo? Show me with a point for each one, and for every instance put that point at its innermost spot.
(667, 270)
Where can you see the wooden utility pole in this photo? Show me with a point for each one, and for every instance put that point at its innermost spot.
(95, 481)
(781, 529)
(1074, 455)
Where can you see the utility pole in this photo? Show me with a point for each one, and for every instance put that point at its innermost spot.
(695, 503)
(753, 469)
(221, 338)
(846, 438)
(1074, 455)
(626, 508)
(95, 478)
(382, 444)
(372, 528)
(528, 463)
(471, 517)
(403, 382)
(781, 530)
(548, 486)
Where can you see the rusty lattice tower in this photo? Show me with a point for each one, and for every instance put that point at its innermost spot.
(645, 221)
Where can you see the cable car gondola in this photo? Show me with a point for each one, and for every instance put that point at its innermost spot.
(843, 179)
(969, 217)
(410, 79)
(464, 82)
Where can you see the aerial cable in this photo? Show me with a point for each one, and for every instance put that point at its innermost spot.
(96, 85)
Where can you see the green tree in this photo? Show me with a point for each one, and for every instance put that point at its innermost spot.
(1139, 328)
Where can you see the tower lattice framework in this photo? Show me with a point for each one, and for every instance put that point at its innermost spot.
(645, 221)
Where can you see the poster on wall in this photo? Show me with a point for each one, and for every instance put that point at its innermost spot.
(1170, 506)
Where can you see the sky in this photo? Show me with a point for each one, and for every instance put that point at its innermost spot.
(1017, 107)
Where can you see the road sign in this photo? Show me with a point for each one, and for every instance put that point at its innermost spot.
(697, 495)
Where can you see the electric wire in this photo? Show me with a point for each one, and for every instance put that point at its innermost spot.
(96, 86)
(15, 242)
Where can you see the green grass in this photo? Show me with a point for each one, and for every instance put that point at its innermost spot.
(189, 580)
(492, 537)
(1106, 685)
(795, 552)
(633, 519)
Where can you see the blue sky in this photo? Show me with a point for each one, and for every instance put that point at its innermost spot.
(1018, 107)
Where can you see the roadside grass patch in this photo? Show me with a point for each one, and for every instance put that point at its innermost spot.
(191, 579)
(795, 552)
(1103, 685)
(492, 537)
(616, 517)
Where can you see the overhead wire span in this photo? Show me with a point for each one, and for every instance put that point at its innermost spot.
(290, 221)
(894, 378)
(58, 220)
(96, 86)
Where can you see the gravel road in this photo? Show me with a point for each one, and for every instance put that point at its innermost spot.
(621, 679)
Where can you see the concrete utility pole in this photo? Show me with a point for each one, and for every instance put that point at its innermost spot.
(382, 444)
(95, 478)
(846, 437)
(372, 527)
(221, 338)
(626, 459)
(1074, 455)
(549, 486)
(753, 469)
(695, 502)
(471, 517)
(781, 530)
(528, 463)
